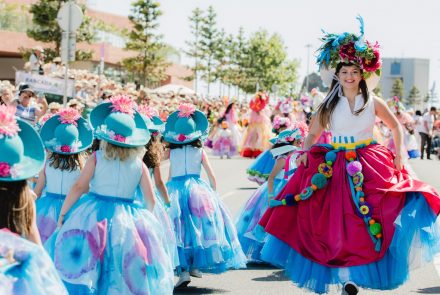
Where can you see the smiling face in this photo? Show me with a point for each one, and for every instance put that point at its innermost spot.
(349, 77)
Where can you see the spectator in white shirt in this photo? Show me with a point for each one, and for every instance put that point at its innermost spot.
(425, 132)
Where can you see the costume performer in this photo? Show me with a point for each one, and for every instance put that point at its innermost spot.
(206, 237)
(67, 136)
(108, 244)
(224, 143)
(230, 116)
(262, 166)
(257, 134)
(251, 236)
(351, 214)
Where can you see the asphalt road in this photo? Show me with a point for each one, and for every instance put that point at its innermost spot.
(235, 189)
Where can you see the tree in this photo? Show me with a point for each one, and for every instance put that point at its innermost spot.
(413, 96)
(397, 88)
(150, 63)
(378, 90)
(194, 51)
(45, 27)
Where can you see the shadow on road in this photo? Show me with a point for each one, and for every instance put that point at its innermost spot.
(259, 266)
(246, 188)
(276, 276)
(432, 290)
(195, 290)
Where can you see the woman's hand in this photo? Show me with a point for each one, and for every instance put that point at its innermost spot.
(302, 160)
(398, 163)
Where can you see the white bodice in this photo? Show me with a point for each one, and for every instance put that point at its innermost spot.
(60, 181)
(185, 160)
(346, 127)
(291, 165)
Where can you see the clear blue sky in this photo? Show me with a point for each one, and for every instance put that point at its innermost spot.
(405, 28)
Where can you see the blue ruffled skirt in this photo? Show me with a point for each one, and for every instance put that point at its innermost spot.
(32, 271)
(416, 240)
(111, 245)
(206, 237)
(261, 167)
(250, 234)
(48, 211)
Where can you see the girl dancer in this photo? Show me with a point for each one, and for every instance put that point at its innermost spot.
(206, 237)
(355, 229)
(224, 142)
(108, 244)
(66, 136)
(25, 267)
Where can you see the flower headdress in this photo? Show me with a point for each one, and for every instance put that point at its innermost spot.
(278, 122)
(396, 105)
(186, 110)
(302, 127)
(69, 116)
(148, 111)
(122, 104)
(259, 102)
(8, 123)
(286, 106)
(348, 47)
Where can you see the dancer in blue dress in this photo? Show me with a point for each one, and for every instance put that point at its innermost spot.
(25, 268)
(67, 136)
(108, 244)
(252, 236)
(206, 237)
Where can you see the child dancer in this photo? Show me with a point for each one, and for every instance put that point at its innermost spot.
(25, 267)
(262, 166)
(251, 236)
(67, 136)
(206, 238)
(107, 243)
(224, 144)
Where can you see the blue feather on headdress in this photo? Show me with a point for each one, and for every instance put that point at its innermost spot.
(361, 25)
(360, 45)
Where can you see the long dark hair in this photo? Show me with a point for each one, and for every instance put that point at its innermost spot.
(154, 152)
(197, 144)
(325, 114)
(66, 162)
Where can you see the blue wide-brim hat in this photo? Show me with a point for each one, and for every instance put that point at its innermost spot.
(155, 124)
(22, 154)
(119, 128)
(66, 139)
(182, 130)
(286, 136)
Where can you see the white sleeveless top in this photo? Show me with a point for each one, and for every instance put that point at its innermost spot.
(346, 127)
(60, 181)
(185, 160)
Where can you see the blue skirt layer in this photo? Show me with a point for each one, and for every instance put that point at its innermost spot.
(48, 211)
(111, 245)
(206, 237)
(262, 166)
(251, 235)
(416, 240)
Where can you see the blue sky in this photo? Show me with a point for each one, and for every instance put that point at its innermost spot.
(403, 28)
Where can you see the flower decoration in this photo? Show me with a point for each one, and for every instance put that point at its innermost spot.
(123, 104)
(347, 47)
(279, 122)
(8, 123)
(7, 170)
(44, 118)
(69, 116)
(148, 111)
(302, 127)
(186, 110)
(286, 107)
(259, 102)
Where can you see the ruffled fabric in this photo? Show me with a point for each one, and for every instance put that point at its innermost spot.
(224, 146)
(111, 245)
(262, 166)
(32, 273)
(48, 211)
(206, 237)
(415, 242)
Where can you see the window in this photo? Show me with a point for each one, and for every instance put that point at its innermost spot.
(395, 68)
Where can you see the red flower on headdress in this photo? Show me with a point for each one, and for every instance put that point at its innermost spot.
(371, 65)
(5, 169)
(259, 102)
(348, 52)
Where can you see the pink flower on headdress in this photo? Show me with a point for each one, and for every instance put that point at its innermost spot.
(65, 149)
(148, 111)
(371, 65)
(123, 104)
(279, 121)
(5, 169)
(181, 137)
(303, 128)
(69, 116)
(186, 110)
(119, 138)
(8, 123)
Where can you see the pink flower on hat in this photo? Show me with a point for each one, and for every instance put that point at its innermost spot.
(69, 116)
(65, 149)
(8, 123)
(148, 111)
(119, 138)
(186, 110)
(123, 104)
(181, 137)
(5, 169)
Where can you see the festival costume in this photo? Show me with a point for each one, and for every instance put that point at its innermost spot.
(26, 269)
(257, 134)
(66, 133)
(109, 244)
(350, 215)
(232, 119)
(206, 237)
(224, 143)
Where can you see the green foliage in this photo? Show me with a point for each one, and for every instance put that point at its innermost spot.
(397, 88)
(194, 51)
(45, 26)
(413, 96)
(378, 90)
(150, 63)
(14, 17)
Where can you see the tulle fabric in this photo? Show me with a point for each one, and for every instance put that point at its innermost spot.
(224, 146)
(111, 246)
(206, 237)
(415, 242)
(32, 274)
(48, 211)
(261, 167)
